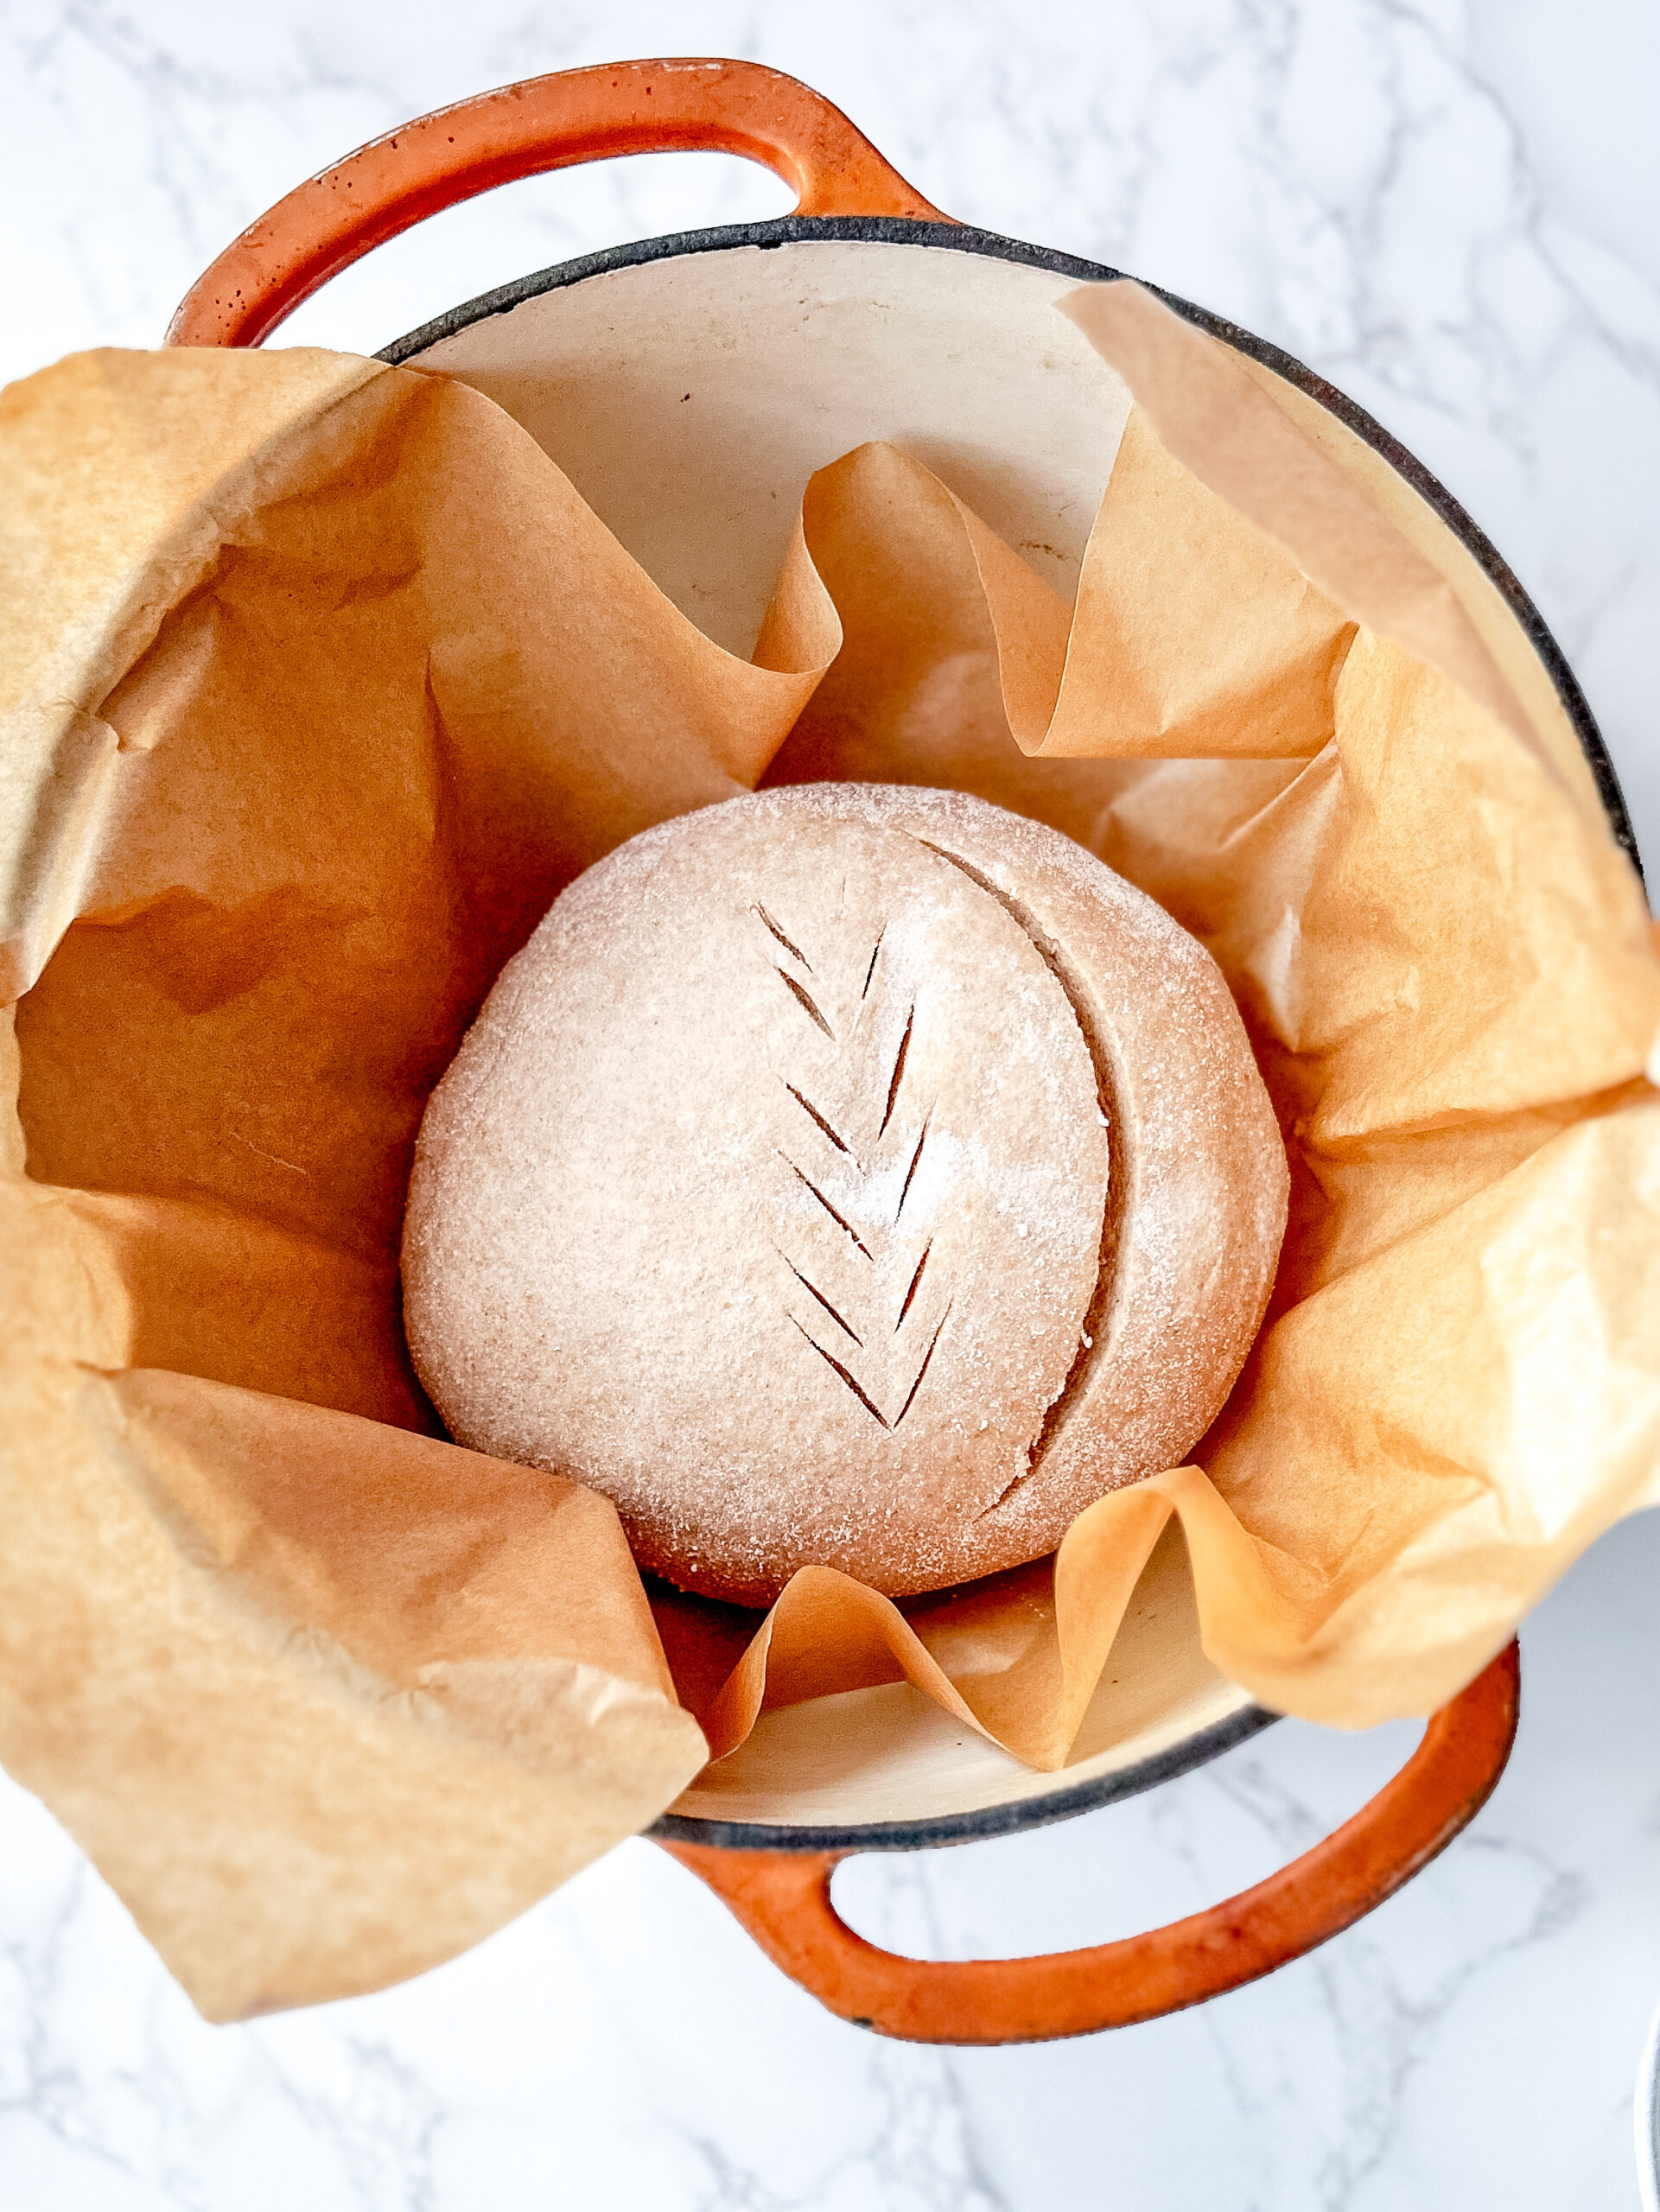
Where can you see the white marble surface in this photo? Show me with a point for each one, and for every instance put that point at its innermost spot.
(1449, 209)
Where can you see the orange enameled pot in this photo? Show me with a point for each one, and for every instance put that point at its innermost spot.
(868, 315)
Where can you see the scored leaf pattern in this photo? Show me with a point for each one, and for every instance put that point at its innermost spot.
(855, 1143)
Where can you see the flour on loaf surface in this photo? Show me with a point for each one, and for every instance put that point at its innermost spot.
(808, 1185)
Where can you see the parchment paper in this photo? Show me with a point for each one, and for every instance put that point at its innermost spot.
(319, 682)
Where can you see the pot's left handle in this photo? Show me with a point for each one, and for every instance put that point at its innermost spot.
(546, 123)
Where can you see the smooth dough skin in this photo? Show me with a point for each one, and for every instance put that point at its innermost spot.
(848, 1175)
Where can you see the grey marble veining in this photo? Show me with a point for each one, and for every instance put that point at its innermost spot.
(1449, 209)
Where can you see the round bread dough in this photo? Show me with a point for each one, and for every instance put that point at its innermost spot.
(846, 1175)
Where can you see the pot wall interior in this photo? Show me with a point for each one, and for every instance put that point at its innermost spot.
(689, 400)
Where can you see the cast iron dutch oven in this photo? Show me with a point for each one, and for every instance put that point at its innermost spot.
(780, 346)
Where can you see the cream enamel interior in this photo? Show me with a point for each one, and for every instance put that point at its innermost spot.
(892, 1755)
(690, 400)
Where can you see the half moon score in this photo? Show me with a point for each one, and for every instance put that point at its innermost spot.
(847, 1175)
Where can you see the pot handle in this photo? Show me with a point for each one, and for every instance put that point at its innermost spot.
(546, 123)
(783, 1898)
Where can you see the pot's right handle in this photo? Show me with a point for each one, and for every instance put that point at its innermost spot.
(546, 123)
(783, 1899)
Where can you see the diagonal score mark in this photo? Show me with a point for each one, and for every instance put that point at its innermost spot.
(921, 1371)
(898, 1068)
(813, 1291)
(768, 924)
(916, 1284)
(871, 971)
(845, 1226)
(831, 1361)
(806, 1002)
(916, 1161)
(807, 1107)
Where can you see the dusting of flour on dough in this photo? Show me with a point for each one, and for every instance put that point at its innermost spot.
(808, 1185)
